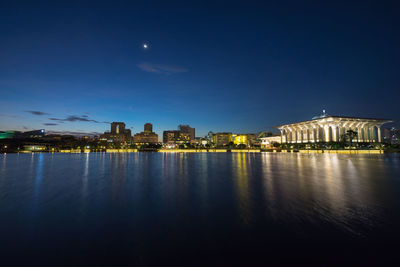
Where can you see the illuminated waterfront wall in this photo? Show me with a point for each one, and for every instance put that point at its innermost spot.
(328, 128)
(239, 139)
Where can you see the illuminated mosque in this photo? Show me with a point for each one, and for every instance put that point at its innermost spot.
(329, 128)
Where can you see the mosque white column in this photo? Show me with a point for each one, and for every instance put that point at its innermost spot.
(359, 134)
(298, 136)
(335, 134)
(344, 131)
(362, 135)
(373, 133)
(379, 134)
(301, 135)
(365, 134)
(315, 133)
(292, 135)
(326, 132)
(340, 130)
(285, 137)
(370, 134)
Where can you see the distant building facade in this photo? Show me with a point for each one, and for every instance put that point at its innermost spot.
(118, 134)
(175, 137)
(247, 139)
(184, 135)
(221, 139)
(186, 129)
(147, 136)
(391, 136)
(226, 138)
(328, 128)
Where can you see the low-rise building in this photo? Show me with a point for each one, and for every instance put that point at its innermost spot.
(247, 139)
(175, 137)
(268, 142)
(221, 139)
(391, 136)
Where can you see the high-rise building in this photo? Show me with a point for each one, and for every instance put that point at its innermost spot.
(117, 128)
(186, 129)
(118, 133)
(148, 128)
(146, 137)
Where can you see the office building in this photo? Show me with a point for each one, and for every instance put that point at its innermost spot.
(186, 129)
(118, 134)
(175, 137)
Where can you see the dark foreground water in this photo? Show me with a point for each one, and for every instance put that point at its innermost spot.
(142, 209)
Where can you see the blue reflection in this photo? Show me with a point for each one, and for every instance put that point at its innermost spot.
(39, 174)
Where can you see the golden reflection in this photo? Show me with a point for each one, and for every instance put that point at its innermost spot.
(242, 185)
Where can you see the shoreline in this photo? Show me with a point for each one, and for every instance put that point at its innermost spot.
(302, 151)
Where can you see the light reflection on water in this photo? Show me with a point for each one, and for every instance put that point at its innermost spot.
(200, 196)
(321, 187)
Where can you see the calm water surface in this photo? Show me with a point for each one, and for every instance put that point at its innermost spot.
(142, 209)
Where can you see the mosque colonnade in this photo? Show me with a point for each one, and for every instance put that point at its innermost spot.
(332, 129)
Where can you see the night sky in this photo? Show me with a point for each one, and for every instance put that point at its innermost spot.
(218, 65)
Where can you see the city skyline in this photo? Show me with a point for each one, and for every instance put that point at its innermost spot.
(239, 68)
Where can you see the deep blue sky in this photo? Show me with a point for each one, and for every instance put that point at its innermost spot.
(218, 65)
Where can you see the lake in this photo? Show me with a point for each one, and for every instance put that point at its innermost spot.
(146, 209)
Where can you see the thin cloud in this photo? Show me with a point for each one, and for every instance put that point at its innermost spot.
(74, 118)
(38, 113)
(160, 68)
(50, 124)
